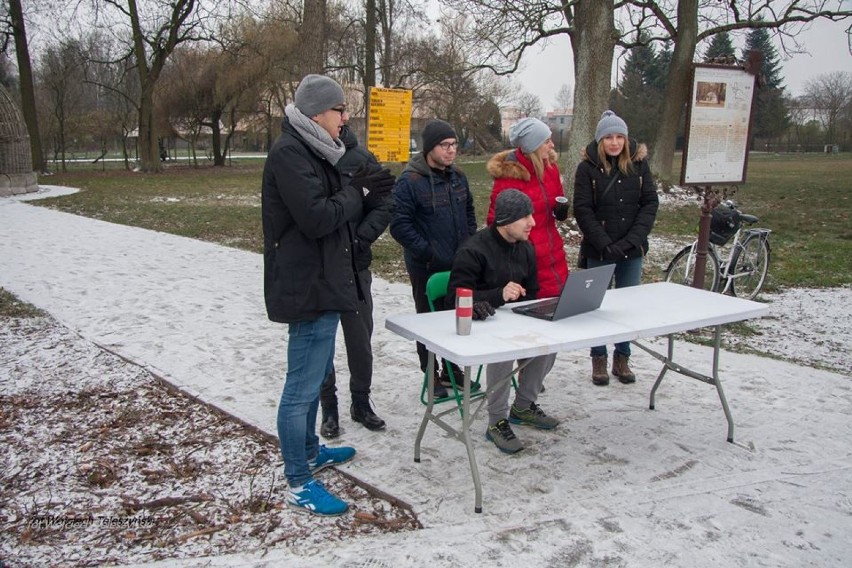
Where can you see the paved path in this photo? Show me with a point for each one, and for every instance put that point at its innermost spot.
(616, 484)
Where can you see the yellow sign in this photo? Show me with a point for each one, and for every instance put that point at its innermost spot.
(389, 124)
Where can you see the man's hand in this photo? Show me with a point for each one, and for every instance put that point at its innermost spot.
(512, 291)
(482, 310)
(374, 183)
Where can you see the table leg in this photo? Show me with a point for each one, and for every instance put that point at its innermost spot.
(468, 443)
(430, 403)
(717, 345)
(666, 362)
(714, 379)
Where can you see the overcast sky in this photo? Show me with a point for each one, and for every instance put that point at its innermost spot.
(547, 69)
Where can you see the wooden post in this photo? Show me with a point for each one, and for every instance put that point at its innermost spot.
(711, 200)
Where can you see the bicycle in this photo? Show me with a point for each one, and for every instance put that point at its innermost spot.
(743, 271)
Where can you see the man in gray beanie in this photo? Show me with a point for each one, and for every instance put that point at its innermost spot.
(511, 205)
(498, 264)
(528, 134)
(306, 207)
(318, 93)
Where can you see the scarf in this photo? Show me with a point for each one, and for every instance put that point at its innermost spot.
(332, 149)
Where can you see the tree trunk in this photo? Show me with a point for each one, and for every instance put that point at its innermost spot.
(25, 72)
(677, 92)
(216, 135)
(312, 37)
(593, 44)
(146, 143)
(370, 52)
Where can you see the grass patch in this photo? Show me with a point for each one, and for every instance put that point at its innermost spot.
(12, 307)
(803, 198)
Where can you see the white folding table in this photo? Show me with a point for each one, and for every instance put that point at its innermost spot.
(627, 314)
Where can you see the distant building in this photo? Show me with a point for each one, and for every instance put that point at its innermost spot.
(559, 121)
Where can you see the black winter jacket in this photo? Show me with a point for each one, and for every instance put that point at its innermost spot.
(625, 214)
(433, 215)
(374, 222)
(307, 241)
(486, 262)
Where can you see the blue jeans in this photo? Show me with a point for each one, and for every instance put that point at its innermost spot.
(627, 273)
(310, 354)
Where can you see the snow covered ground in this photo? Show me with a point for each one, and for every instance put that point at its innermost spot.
(616, 484)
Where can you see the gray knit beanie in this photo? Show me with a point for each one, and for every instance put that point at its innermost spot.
(435, 132)
(610, 123)
(318, 93)
(528, 134)
(511, 205)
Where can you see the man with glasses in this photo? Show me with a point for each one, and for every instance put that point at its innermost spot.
(433, 216)
(307, 209)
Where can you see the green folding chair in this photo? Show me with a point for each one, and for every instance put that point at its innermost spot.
(436, 288)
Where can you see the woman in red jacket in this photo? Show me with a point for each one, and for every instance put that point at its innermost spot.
(531, 168)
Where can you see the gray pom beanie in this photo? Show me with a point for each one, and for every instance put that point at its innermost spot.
(528, 134)
(318, 93)
(610, 123)
(511, 205)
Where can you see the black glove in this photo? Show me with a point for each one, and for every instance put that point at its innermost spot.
(482, 310)
(373, 182)
(614, 252)
(560, 209)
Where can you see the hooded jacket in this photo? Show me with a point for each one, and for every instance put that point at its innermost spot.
(624, 214)
(512, 169)
(374, 221)
(433, 215)
(307, 242)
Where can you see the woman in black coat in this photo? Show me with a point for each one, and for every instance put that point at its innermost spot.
(615, 203)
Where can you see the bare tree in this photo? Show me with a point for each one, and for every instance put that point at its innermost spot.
(502, 32)
(25, 77)
(528, 104)
(564, 97)
(61, 78)
(830, 97)
(154, 30)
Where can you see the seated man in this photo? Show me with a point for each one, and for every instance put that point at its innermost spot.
(498, 264)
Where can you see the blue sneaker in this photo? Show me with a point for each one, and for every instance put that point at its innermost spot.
(327, 457)
(314, 498)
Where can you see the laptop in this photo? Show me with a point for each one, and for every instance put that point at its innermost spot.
(583, 292)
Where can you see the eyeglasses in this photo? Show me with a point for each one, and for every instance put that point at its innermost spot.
(341, 110)
(449, 145)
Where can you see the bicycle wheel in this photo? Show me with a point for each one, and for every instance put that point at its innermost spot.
(681, 269)
(750, 265)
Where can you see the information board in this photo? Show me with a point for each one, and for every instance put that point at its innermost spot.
(718, 125)
(389, 124)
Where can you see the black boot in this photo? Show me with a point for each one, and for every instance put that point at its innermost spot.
(362, 412)
(330, 427)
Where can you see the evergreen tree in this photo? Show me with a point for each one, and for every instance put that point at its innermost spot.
(660, 69)
(637, 99)
(720, 48)
(771, 117)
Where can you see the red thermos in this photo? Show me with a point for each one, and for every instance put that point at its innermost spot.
(464, 310)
